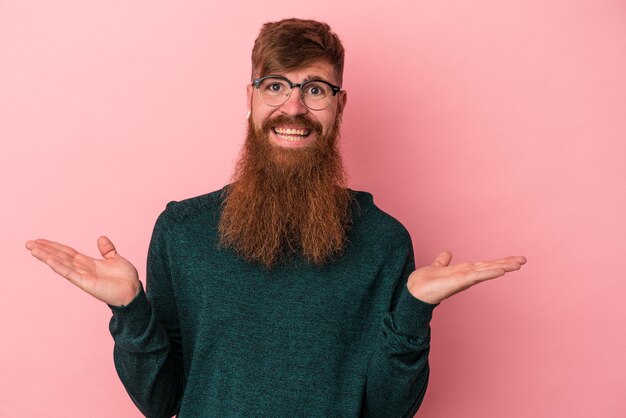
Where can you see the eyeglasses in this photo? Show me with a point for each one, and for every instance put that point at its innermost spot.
(274, 90)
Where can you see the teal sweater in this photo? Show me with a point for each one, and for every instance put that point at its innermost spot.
(216, 336)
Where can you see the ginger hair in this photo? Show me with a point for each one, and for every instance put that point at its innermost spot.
(292, 43)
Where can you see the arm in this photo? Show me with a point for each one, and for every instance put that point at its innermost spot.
(398, 370)
(147, 343)
(147, 353)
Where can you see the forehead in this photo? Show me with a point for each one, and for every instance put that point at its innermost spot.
(317, 69)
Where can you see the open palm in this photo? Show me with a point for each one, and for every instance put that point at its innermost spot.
(440, 280)
(113, 279)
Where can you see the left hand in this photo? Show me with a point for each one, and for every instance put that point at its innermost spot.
(440, 280)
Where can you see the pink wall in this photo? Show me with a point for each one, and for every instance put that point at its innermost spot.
(488, 128)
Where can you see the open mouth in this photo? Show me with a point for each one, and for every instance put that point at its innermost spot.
(291, 134)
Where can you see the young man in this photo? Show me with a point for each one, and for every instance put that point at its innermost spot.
(285, 293)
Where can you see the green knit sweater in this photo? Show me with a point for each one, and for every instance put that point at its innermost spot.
(216, 336)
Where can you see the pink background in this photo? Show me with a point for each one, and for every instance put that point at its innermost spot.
(488, 128)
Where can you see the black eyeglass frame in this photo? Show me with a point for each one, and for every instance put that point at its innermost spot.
(257, 83)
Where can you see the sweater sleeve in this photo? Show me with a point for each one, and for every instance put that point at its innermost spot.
(146, 332)
(398, 370)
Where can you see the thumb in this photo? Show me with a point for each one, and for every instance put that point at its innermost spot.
(443, 259)
(106, 247)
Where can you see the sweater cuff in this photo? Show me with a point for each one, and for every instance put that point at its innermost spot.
(135, 315)
(412, 315)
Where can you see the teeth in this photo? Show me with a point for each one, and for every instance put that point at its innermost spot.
(301, 132)
(290, 138)
(290, 134)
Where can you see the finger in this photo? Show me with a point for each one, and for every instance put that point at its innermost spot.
(517, 259)
(443, 259)
(507, 266)
(106, 247)
(482, 275)
(41, 254)
(69, 257)
(53, 251)
(44, 243)
(44, 253)
(59, 266)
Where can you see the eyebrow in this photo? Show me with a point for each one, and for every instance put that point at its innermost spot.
(307, 78)
(314, 77)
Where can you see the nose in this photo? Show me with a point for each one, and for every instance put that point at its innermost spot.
(294, 106)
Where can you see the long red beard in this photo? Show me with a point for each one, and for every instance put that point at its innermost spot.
(285, 202)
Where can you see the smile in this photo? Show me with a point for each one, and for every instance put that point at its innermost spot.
(291, 134)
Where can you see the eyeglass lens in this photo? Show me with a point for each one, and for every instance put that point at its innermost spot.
(315, 95)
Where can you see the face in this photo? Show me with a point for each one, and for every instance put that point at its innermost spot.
(290, 133)
(289, 194)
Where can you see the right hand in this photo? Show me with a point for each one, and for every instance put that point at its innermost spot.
(113, 280)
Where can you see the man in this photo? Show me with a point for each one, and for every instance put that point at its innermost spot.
(285, 293)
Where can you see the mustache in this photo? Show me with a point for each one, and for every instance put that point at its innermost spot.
(298, 120)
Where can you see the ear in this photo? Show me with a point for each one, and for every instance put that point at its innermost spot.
(342, 99)
(249, 93)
